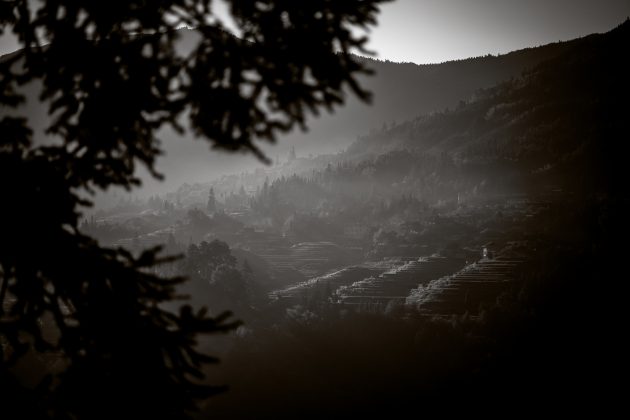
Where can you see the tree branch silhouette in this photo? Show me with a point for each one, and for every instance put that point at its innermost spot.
(111, 75)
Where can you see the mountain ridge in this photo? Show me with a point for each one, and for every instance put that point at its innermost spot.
(401, 92)
(561, 116)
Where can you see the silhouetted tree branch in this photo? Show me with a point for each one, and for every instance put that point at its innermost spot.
(111, 75)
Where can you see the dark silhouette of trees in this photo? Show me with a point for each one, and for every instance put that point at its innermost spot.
(216, 280)
(111, 76)
(202, 260)
(211, 207)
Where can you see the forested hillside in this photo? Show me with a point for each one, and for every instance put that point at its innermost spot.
(562, 122)
(400, 91)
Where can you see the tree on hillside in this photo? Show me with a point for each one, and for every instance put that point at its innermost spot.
(202, 260)
(111, 77)
(211, 207)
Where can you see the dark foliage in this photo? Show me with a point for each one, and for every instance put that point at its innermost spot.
(111, 76)
(215, 278)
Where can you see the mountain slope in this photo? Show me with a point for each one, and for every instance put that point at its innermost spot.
(401, 91)
(566, 119)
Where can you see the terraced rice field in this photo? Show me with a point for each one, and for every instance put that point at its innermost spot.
(466, 290)
(395, 284)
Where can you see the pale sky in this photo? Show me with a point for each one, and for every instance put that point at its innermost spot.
(431, 31)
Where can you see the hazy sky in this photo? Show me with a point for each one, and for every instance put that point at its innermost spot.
(429, 31)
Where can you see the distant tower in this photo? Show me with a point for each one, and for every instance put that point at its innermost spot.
(212, 202)
(292, 154)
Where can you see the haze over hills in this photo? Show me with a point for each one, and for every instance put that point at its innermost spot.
(538, 127)
(557, 131)
(400, 91)
(562, 119)
(485, 95)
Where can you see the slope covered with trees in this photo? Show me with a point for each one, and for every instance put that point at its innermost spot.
(560, 123)
(400, 91)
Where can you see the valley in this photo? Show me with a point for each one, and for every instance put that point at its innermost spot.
(449, 239)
